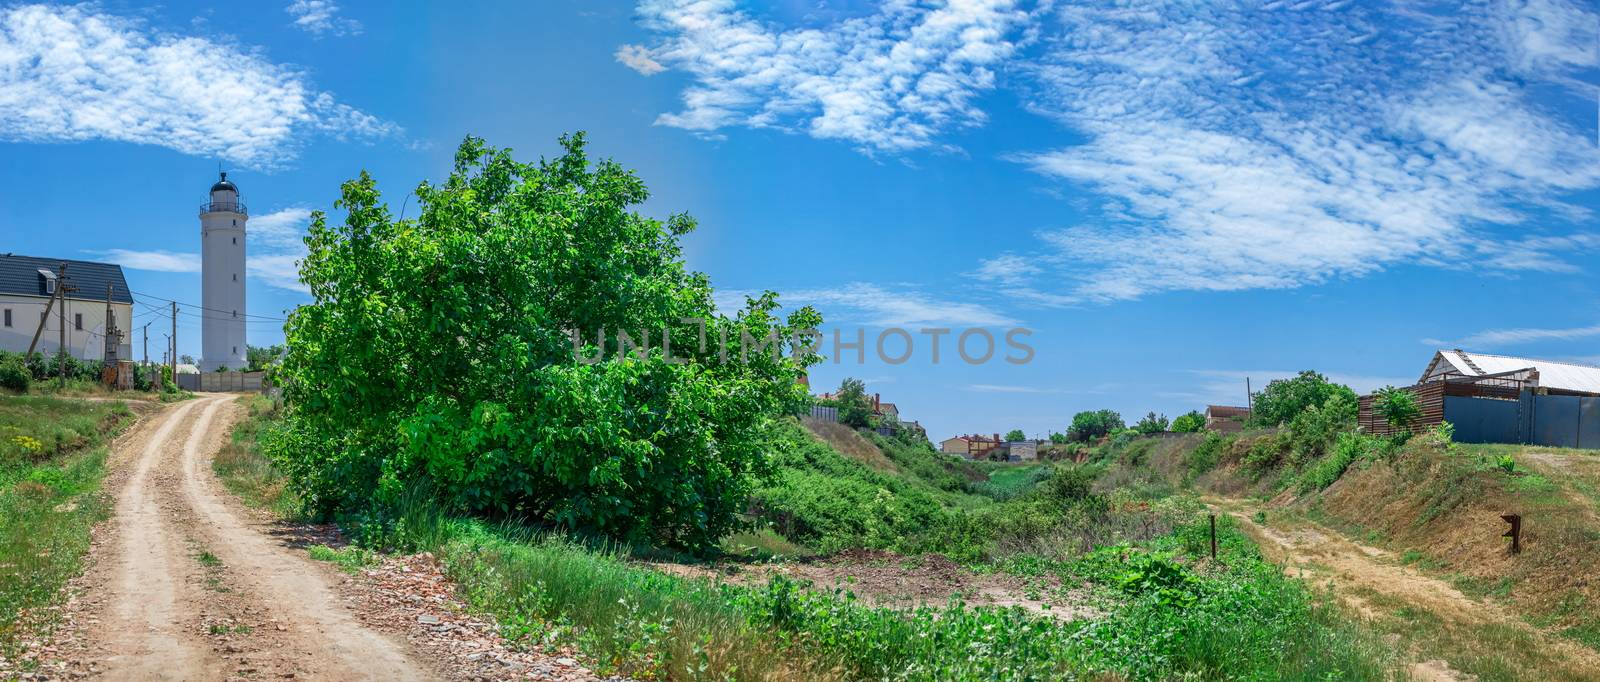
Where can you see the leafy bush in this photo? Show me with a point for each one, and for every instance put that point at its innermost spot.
(14, 375)
(1282, 399)
(1091, 425)
(1068, 485)
(829, 502)
(1151, 423)
(1397, 406)
(1190, 422)
(436, 354)
(855, 410)
(1349, 447)
(1506, 463)
(1314, 429)
(1205, 456)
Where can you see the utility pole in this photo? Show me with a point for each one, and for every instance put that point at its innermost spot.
(146, 335)
(1249, 398)
(61, 286)
(61, 278)
(174, 356)
(109, 354)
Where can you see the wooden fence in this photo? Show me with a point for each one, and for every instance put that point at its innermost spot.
(1430, 397)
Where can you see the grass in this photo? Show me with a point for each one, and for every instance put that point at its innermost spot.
(51, 463)
(348, 559)
(1008, 482)
(245, 470)
(1244, 620)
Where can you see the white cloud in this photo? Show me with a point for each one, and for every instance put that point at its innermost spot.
(75, 73)
(637, 57)
(157, 261)
(321, 17)
(877, 306)
(1288, 145)
(1494, 338)
(890, 81)
(275, 249)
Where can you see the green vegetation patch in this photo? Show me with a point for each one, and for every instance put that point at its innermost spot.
(51, 464)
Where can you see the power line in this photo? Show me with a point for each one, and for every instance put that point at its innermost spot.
(214, 310)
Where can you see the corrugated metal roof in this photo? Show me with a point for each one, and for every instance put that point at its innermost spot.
(1564, 376)
(20, 275)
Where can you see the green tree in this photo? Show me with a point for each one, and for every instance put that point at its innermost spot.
(855, 410)
(1090, 425)
(1397, 406)
(528, 347)
(1282, 399)
(1190, 422)
(259, 358)
(1151, 423)
(1016, 435)
(1059, 438)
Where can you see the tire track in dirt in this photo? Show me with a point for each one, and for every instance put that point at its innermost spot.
(179, 588)
(1351, 568)
(141, 629)
(288, 586)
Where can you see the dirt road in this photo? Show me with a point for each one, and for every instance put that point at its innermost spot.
(183, 587)
(1378, 584)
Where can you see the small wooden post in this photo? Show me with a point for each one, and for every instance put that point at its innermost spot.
(1213, 537)
(1515, 533)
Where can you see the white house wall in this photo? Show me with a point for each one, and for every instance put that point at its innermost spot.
(85, 344)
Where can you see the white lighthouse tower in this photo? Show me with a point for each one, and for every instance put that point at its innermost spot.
(222, 220)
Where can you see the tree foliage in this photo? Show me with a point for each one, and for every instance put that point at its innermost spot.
(1397, 406)
(259, 358)
(1090, 425)
(1190, 422)
(855, 410)
(441, 357)
(1282, 399)
(1151, 423)
(1016, 435)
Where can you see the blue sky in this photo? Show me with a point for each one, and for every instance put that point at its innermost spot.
(1171, 197)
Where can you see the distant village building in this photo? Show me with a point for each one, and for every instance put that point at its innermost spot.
(1022, 450)
(1501, 399)
(970, 446)
(1226, 418)
(27, 284)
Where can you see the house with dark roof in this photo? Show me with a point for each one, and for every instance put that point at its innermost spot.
(27, 284)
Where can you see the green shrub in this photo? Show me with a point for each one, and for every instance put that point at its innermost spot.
(1397, 406)
(1347, 449)
(1191, 422)
(451, 352)
(1205, 456)
(14, 375)
(1282, 399)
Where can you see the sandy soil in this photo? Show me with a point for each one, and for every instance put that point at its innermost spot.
(179, 587)
(1351, 569)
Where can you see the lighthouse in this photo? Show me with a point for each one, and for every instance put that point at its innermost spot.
(222, 220)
